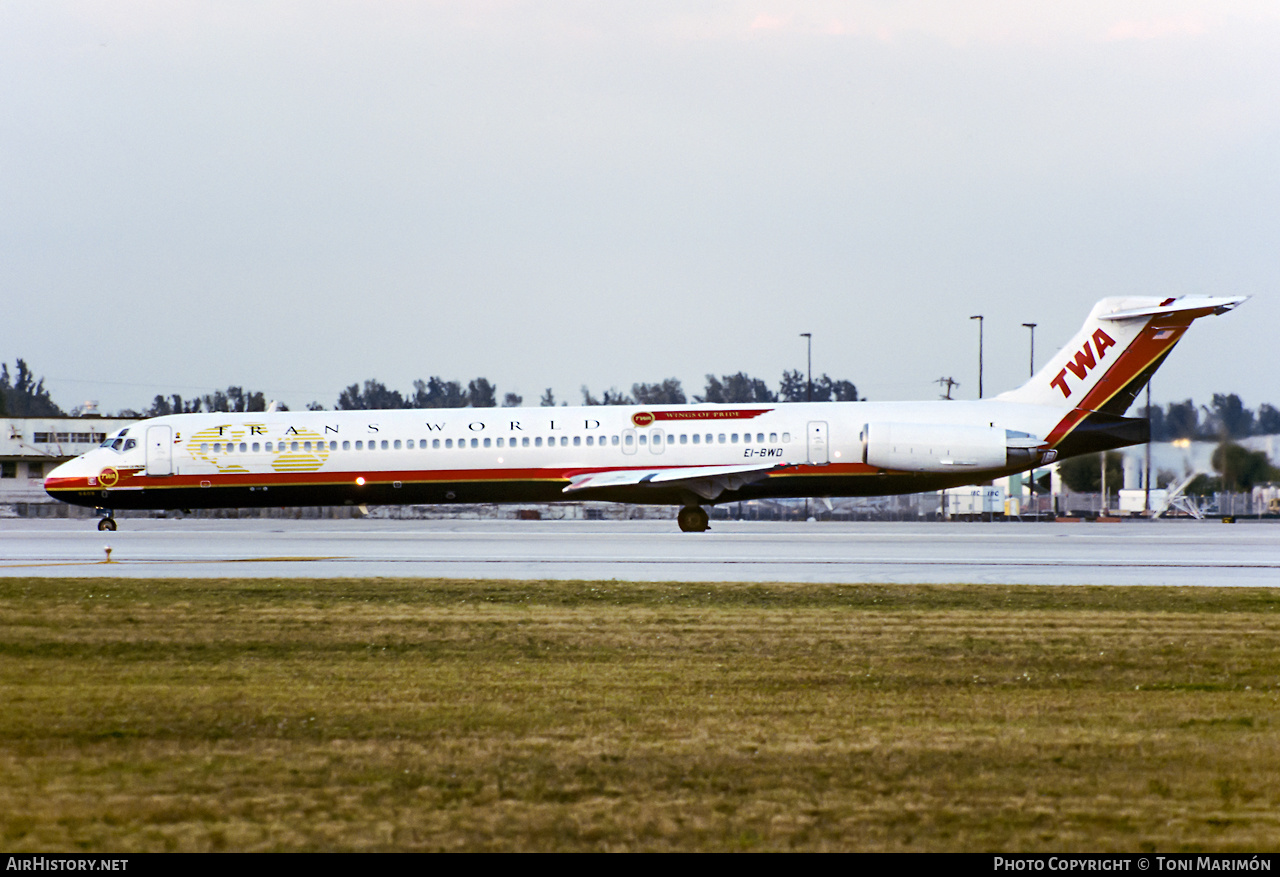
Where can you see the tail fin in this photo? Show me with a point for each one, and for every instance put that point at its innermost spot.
(1114, 354)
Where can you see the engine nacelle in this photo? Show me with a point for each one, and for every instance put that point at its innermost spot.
(934, 447)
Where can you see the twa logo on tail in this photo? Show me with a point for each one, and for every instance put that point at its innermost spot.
(1084, 361)
(1101, 349)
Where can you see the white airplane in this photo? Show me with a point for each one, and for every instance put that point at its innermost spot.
(685, 455)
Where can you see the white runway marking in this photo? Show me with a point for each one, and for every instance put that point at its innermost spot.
(1161, 553)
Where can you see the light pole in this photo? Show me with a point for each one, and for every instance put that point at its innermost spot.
(1032, 372)
(978, 317)
(1146, 476)
(808, 337)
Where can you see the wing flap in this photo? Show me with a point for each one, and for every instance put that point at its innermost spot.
(707, 482)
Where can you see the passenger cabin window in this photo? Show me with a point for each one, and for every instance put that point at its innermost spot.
(537, 442)
(435, 443)
(488, 443)
(644, 439)
(524, 442)
(786, 436)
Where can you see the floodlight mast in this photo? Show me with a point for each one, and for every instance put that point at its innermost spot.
(978, 317)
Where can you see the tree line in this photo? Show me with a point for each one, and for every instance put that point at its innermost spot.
(1223, 418)
(23, 395)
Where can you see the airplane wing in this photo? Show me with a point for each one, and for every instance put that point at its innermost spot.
(707, 482)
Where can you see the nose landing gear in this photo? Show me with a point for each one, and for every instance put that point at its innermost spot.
(106, 522)
(693, 519)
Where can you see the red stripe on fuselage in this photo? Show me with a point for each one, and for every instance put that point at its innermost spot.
(410, 476)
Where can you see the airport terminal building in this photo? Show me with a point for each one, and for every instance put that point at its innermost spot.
(31, 446)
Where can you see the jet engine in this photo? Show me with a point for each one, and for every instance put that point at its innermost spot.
(932, 447)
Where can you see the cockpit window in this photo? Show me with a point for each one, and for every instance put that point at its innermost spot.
(113, 441)
(130, 444)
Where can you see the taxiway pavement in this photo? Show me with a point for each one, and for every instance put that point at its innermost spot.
(1131, 553)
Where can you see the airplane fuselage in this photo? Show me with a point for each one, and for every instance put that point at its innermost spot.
(520, 454)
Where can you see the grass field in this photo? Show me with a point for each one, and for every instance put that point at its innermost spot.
(467, 715)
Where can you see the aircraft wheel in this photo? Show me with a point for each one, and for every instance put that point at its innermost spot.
(693, 519)
(107, 524)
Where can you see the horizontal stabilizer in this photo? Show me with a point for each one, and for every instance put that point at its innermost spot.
(1206, 304)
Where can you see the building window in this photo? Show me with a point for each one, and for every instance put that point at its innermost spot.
(8, 469)
(35, 470)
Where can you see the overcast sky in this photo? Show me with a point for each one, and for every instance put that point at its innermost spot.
(293, 197)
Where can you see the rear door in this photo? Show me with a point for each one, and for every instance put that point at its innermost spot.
(159, 450)
(818, 443)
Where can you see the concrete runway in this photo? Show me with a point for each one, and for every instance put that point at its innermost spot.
(1139, 553)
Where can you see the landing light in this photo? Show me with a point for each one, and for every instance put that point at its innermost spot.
(360, 481)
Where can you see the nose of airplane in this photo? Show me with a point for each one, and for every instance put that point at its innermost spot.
(68, 475)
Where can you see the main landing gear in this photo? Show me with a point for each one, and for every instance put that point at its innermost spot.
(693, 519)
(106, 522)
